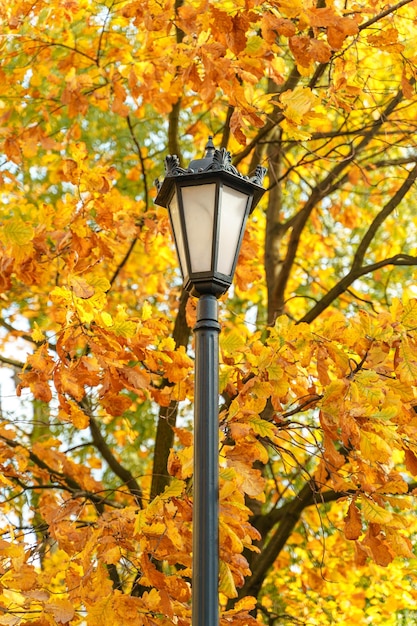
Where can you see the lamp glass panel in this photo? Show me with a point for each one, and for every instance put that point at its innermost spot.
(199, 203)
(233, 212)
(176, 227)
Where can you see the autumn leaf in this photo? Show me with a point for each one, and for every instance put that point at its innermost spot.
(374, 513)
(353, 524)
(411, 461)
(17, 232)
(81, 288)
(318, 331)
(226, 582)
(62, 610)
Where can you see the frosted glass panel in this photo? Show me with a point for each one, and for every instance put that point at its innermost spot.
(179, 241)
(198, 204)
(232, 216)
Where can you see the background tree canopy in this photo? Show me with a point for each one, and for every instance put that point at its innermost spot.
(318, 347)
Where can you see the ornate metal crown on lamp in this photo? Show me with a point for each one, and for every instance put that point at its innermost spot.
(208, 204)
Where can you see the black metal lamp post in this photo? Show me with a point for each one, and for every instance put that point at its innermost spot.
(208, 204)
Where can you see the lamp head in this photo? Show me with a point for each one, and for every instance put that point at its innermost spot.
(208, 203)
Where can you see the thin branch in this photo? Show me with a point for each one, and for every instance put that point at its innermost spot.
(24, 335)
(49, 44)
(381, 217)
(121, 472)
(357, 269)
(12, 362)
(346, 281)
(299, 220)
(123, 261)
(288, 516)
(75, 494)
(142, 162)
(100, 39)
(388, 11)
(64, 481)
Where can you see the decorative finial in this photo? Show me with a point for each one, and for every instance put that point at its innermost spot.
(210, 148)
(259, 175)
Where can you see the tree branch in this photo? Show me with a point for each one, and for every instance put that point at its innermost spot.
(321, 190)
(344, 283)
(12, 362)
(167, 418)
(388, 11)
(142, 162)
(121, 472)
(381, 217)
(64, 481)
(357, 269)
(287, 516)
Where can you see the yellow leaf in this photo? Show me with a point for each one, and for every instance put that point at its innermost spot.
(174, 489)
(77, 416)
(232, 341)
(263, 428)
(245, 604)
(61, 293)
(297, 103)
(36, 334)
(124, 329)
(374, 513)
(406, 361)
(61, 609)
(229, 538)
(227, 584)
(374, 448)
(100, 283)
(401, 545)
(17, 232)
(107, 319)
(146, 311)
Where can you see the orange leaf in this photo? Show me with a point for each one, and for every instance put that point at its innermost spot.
(353, 524)
(66, 381)
(81, 288)
(411, 462)
(61, 609)
(379, 548)
(151, 575)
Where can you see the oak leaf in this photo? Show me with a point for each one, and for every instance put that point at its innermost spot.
(17, 232)
(249, 479)
(410, 461)
(353, 524)
(61, 609)
(81, 288)
(226, 583)
(375, 513)
(380, 550)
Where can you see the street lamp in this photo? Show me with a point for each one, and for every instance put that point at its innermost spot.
(208, 205)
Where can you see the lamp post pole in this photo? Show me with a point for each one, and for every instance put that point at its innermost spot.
(208, 204)
(205, 608)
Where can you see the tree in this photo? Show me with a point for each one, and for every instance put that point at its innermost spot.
(319, 345)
